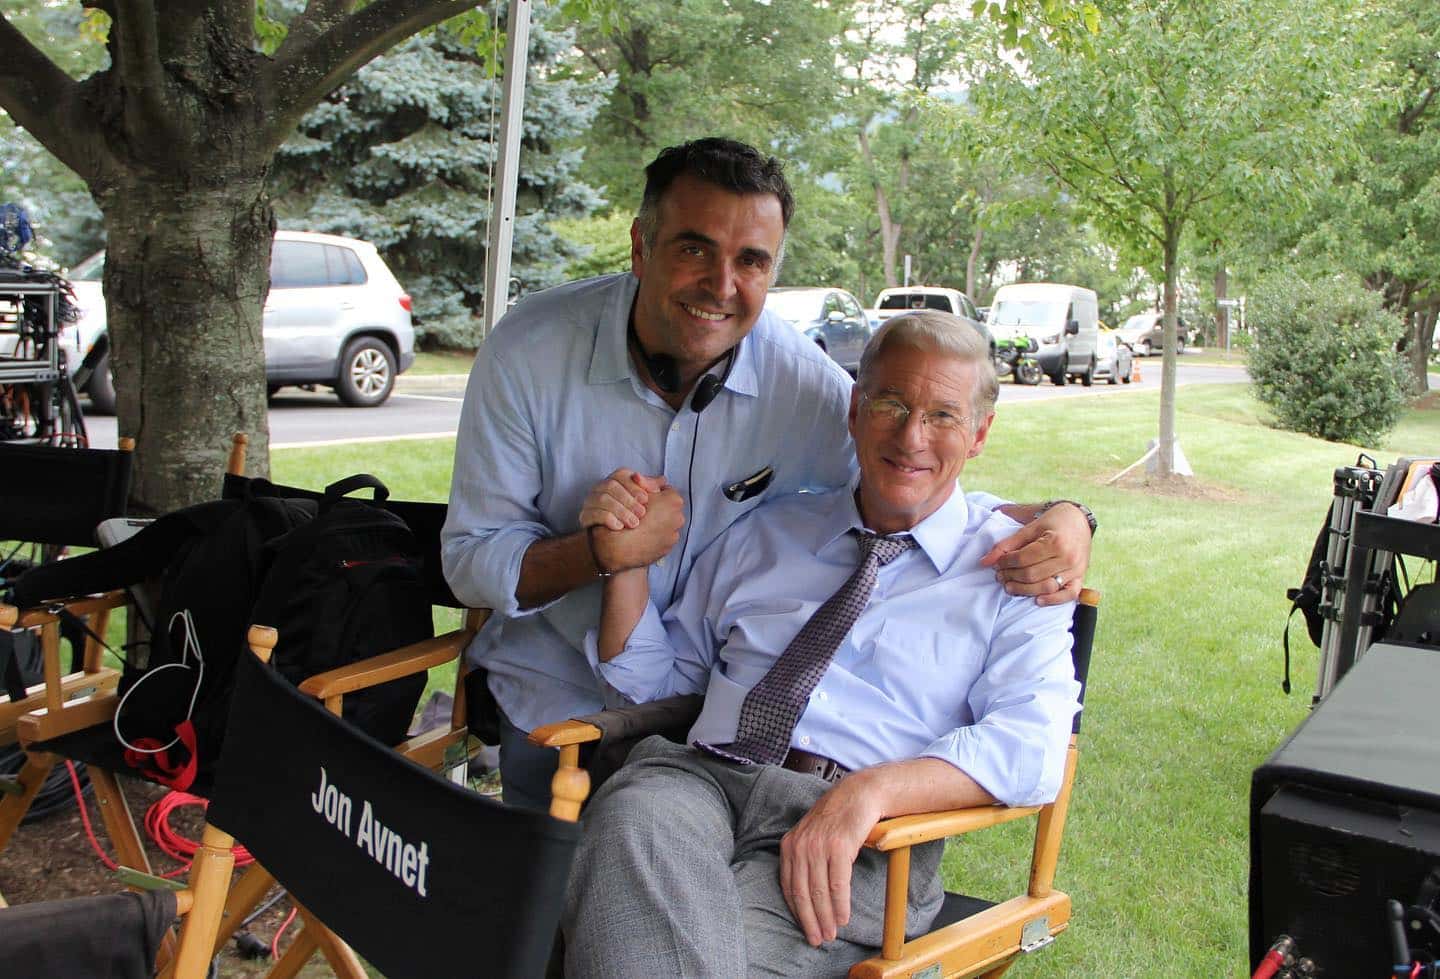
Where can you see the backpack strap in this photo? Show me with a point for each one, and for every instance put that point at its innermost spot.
(350, 484)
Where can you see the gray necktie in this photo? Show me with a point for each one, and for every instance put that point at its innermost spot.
(773, 706)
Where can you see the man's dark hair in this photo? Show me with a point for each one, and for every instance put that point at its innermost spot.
(726, 163)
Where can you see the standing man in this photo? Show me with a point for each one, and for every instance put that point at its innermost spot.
(675, 371)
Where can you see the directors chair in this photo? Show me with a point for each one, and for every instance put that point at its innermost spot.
(970, 936)
(394, 858)
(53, 498)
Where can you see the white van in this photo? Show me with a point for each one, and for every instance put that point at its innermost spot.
(1063, 320)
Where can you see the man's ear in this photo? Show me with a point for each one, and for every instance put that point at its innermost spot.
(981, 434)
(637, 249)
(853, 415)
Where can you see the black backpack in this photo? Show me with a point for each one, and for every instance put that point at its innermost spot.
(345, 586)
(214, 563)
(209, 560)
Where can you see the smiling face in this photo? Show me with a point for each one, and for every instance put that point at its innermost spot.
(704, 278)
(908, 470)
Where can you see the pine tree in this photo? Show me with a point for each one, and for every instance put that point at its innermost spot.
(402, 156)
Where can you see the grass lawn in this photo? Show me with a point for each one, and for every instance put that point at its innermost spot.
(430, 362)
(1184, 697)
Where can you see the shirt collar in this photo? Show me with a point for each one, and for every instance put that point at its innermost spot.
(611, 361)
(938, 535)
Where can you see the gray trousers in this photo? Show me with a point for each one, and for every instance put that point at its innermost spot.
(678, 875)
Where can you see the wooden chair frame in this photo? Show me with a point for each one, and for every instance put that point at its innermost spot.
(984, 944)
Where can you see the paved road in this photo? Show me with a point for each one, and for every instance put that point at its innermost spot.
(429, 407)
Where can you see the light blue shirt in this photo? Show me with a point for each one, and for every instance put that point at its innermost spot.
(941, 664)
(552, 407)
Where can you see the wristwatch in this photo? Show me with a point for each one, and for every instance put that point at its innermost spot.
(1089, 514)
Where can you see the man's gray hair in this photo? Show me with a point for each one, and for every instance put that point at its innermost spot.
(944, 334)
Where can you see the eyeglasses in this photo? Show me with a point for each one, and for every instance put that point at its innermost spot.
(892, 413)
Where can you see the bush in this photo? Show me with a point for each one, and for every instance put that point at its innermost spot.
(1324, 358)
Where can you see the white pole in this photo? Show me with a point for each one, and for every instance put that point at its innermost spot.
(907, 271)
(502, 216)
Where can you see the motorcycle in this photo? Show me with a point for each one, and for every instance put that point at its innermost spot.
(1014, 358)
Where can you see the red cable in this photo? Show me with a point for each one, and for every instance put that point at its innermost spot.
(157, 826)
(170, 841)
(85, 819)
(275, 942)
(1269, 965)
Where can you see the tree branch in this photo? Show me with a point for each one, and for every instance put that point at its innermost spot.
(316, 68)
(317, 18)
(42, 99)
(137, 62)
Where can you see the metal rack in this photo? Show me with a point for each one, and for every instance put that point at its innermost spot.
(37, 400)
(1366, 546)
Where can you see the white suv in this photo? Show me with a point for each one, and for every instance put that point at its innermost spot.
(335, 316)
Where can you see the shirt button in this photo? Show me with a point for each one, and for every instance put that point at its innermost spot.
(675, 427)
(660, 563)
(824, 695)
(805, 740)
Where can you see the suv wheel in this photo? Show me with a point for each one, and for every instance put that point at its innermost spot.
(367, 373)
(101, 388)
(1144, 350)
(1179, 345)
(1088, 378)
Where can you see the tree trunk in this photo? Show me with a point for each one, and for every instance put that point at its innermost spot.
(1165, 456)
(973, 260)
(1222, 313)
(1422, 335)
(183, 297)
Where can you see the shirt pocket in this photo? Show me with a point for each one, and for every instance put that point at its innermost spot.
(929, 670)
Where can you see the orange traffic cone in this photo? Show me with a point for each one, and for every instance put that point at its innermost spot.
(1135, 371)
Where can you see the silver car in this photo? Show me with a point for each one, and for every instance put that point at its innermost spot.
(335, 316)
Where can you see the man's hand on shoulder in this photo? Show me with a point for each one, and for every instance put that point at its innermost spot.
(818, 856)
(1048, 557)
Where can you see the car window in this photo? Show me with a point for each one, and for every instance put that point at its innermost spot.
(832, 304)
(90, 270)
(298, 265)
(792, 306)
(343, 266)
(967, 308)
(851, 308)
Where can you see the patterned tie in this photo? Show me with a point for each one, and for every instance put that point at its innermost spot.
(774, 705)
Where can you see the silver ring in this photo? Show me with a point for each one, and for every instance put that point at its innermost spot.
(1059, 581)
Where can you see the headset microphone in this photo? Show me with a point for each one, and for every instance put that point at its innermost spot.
(705, 392)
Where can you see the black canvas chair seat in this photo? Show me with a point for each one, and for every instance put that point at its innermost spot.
(421, 876)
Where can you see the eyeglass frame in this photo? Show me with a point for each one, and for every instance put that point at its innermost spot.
(927, 424)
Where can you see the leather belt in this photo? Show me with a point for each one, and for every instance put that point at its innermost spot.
(813, 764)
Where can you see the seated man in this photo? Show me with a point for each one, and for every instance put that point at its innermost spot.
(835, 696)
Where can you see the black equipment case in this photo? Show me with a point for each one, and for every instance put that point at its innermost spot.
(1345, 815)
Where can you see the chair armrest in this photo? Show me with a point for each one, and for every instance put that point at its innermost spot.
(415, 658)
(37, 615)
(564, 733)
(903, 831)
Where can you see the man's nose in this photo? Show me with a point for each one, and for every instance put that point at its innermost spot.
(912, 432)
(720, 280)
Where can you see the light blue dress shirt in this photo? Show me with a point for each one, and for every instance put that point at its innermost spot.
(552, 407)
(941, 664)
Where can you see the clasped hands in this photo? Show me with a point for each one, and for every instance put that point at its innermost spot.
(636, 520)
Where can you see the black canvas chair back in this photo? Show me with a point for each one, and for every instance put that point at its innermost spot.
(424, 519)
(422, 877)
(51, 495)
